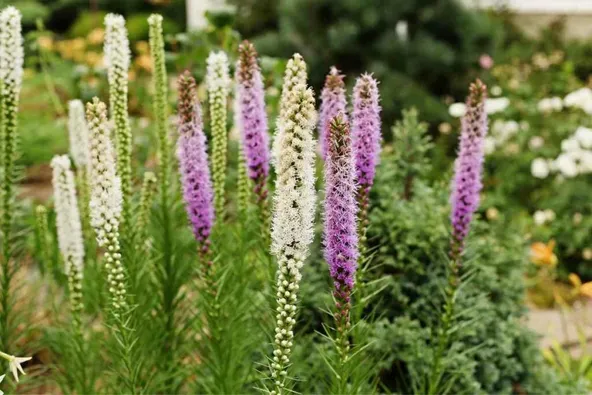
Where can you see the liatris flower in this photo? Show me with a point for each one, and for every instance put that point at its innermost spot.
(333, 102)
(293, 217)
(79, 151)
(193, 162)
(366, 130)
(295, 74)
(11, 74)
(366, 139)
(218, 82)
(340, 234)
(105, 201)
(78, 133)
(14, 364)
(160, 100)
(468, 168)
(117, 59)
(252, 117)
(69, 230)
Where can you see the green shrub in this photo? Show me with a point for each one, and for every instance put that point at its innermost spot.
(491, 352)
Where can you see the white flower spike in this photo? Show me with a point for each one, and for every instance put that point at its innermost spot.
(67, 214)
(78, 133)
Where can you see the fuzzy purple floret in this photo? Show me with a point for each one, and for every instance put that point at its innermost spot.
(252, 115)
(340, 228)
(333, 102)
(366, 129)
(468, 167)
(195, 173)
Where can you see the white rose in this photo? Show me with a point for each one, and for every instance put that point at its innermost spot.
(457, 110)
(539, 168)
(566, 165)
(585, 162)
(539, 217)
(489, 145)
(557, 103)
(570, 145)
(549, 215)
(512, 127)
(536, 142)
(584, 136)
(578, 98)
(499, 104)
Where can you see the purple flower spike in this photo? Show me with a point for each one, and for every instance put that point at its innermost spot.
(468, 167)
(252, 117)
(366, 129)
(333, 102)
(340, 233)
(193, 162)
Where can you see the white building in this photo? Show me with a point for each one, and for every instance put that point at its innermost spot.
(196, 11)
(532, 15)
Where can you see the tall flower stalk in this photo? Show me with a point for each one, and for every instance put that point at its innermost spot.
(252, 121)
(11, 72)
(69, 231)
(366, 140)
(333, 102)
(295, 74)
(340, 228)
(193, 164)
(468, 169)
(117, 59)
(160, 99)
(218, 81)
(106, 201)
(78, 134)
(80, 153)
(464, 200)
(293, 217)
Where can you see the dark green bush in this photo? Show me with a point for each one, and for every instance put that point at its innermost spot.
(444, 43)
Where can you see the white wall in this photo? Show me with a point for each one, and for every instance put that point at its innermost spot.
(533, 15)
(196, 10)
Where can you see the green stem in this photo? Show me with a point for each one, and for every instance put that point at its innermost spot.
(447, 320)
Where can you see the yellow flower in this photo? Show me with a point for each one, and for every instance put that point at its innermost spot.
(45, 42)
(492, 213)
(78, 44)
(542, 254)
(93, 58)
(142, 47)
(144, 62)
(584, 289)
(574, 279)
(96, 36)
(444, 128)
